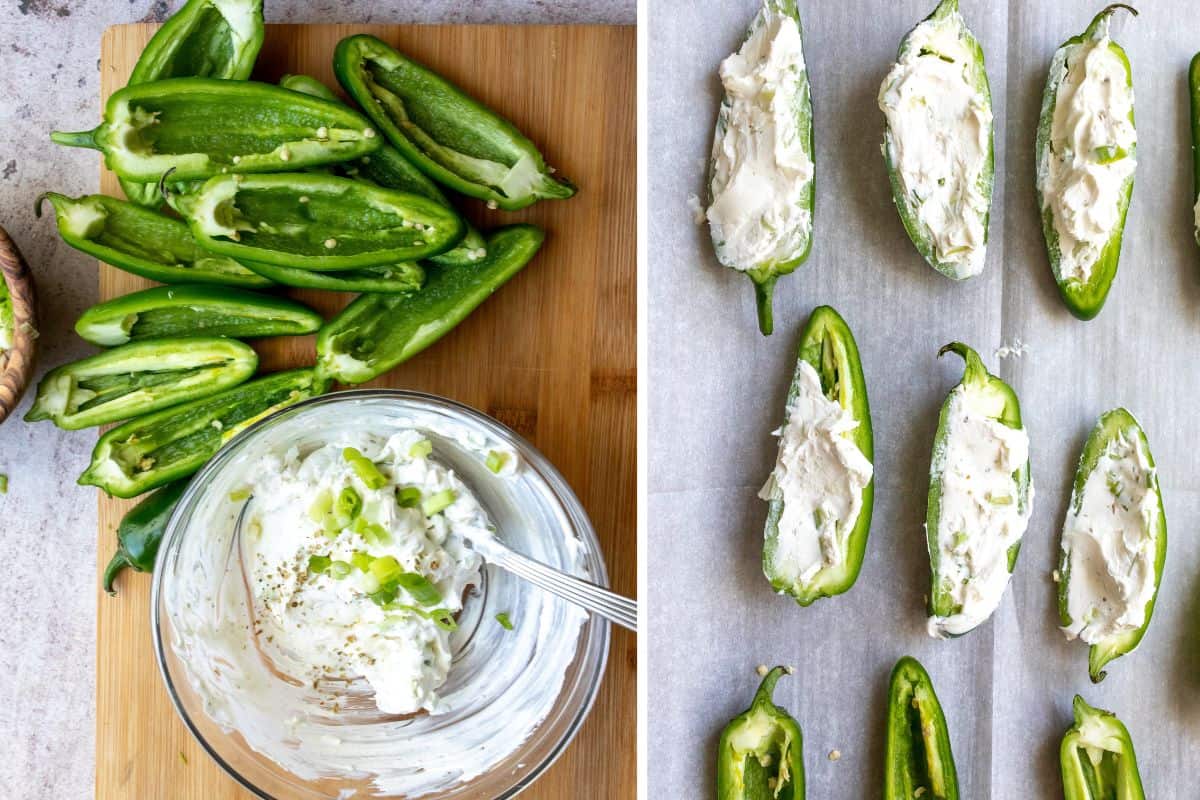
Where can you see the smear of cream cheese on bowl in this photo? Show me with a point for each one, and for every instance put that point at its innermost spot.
(1109, 541)
(761, 170)
(1090, 159)
(820, 475)
(349, 640)
(939, 140)
(981, 517)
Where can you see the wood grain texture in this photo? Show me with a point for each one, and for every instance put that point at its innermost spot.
(552, 355)
(16, 364)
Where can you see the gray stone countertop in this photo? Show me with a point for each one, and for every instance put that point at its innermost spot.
(49, 75)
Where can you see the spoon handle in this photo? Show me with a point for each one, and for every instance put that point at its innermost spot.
(598, 600)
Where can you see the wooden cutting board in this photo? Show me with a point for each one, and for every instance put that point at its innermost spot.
(552, 355)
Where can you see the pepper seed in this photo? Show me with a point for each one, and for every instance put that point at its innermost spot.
(322, 132)
(303, 198)
(330, 244)
(368, 133)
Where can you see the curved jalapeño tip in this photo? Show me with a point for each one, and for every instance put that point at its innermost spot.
(37, 204)
(162, 183)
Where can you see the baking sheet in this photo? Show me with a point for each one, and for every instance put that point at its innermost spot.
(717, 390)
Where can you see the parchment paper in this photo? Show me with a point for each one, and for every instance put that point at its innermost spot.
(717, 391)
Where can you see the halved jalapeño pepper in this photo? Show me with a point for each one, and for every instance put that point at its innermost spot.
(938, 143)
(386, 167)
(141, 531)
(762, 168)
(317, 222)
(142, 242)
(184, 311)
(1097, 758)
(450, 136)
(138, 378)
(377, 331)
(173, 443)
(1114, 542)
(402, 278)
(204, 39)
(1194, 91)
(761, 753)
(821, 490)
(980, 498)
(201, 127)
(1086, 157)
(918, 760)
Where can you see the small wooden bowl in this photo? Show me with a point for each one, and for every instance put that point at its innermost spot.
(16, 365)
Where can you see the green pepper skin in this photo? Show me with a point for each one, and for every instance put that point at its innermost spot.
(448, 135)
(204, 39)
(763, 733)
(142, 242)
(909, 212)
(403, 278)
(138, 378)
(1113, 775)
(317, 222)
(141, 531)
(827, 344)
(201, 127)
(184, 311)
(1110, 426)
(386, 167)
(376, 332)
(917, 755)
(6, 317)
(1084, 299)
(1005, 409)
(1194, 92)
(764, 276)
(165, 446)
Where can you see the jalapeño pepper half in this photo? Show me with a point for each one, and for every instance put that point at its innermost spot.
(204, 39)
(828, 347)
(386, 167)
(402, 278)
(318, 222)
(1117, 437)
(761, 754)
(918, 759)
(141, 532)
(1083, 293)
(1097, 758)
(182, 311)
(376, 332)
(201, 127)
(142, 242)
(138, 378)
(450, 136)
(167, 445)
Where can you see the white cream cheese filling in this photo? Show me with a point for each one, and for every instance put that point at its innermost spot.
(1084, 170)
(939, 138)
(325, 625)
(1109, 544)
(980, 511)
(819, 475)
(761, 171)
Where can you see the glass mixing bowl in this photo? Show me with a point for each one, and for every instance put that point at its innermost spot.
(517, 697)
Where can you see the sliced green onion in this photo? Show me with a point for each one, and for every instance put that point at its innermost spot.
(319, 564)
(496, 461)
(421, 449)
(420, 587)
(339, 569)
(386, 568)
(371, 532)
(238, 495)
(408, 497)
(348, 506)
(504, 620)
(3, 483)
(321, 507)
(361, 560)
(438, 502)
(364, 468)
(442, 617)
